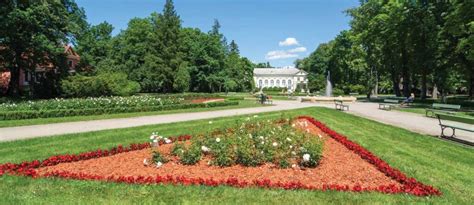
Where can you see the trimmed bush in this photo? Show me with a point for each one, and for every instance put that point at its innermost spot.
(19, 115)
(101, 85)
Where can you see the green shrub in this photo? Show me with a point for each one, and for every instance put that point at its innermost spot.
(313, 149)
(192, 155)
(337, 92)
(101, 85)
(178, 149)
(18, 115)
(157, 157)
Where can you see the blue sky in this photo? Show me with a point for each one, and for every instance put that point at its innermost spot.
(278, 31)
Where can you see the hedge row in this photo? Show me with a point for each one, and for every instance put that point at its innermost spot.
(19, 115)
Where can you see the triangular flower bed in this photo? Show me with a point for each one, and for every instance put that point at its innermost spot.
(346, 166)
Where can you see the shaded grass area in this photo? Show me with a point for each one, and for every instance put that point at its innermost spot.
(11, 123)
(446, 165)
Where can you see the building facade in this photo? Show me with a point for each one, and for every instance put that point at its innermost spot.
(28, 77)
(289, 78)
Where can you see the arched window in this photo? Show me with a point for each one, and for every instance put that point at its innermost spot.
(271, 83)
(278, 83)
(289, 83)
(260, 83)
(283, 82)
(266, 83)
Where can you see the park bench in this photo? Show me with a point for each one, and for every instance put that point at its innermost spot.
(353, 94)
(388, 104)
(442, 117)
(340, 105)
(268, 99)
(442, 108)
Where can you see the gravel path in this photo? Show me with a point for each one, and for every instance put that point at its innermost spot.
(411, 121)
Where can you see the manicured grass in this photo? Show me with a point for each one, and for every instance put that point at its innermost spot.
(11, 123)
(443, 164)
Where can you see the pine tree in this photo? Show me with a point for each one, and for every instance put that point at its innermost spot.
(168, 44)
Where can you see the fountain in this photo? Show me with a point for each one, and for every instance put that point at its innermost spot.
(328, 85)
(327, 98)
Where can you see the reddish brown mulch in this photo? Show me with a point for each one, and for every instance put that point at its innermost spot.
(206, 100)
(338, 166)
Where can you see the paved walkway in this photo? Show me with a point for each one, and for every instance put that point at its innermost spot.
(410, 121)
(25, 132)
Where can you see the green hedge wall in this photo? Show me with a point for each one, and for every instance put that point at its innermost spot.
(19, 115)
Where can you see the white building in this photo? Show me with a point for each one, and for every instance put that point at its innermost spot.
(280, 77)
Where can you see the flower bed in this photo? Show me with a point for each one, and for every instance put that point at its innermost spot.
(342, 156)
(47, 113)
(250, 143)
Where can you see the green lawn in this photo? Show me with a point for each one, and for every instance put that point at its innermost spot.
(443, 164)
(11, 123)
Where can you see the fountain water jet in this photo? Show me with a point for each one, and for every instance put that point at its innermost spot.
(328, 85)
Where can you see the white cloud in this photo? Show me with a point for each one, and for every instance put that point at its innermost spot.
(289, 42)
(280, 54)
(297, 50)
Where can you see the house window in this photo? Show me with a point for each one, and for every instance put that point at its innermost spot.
(266, 83)
(271, 83)
(69, 63)
(289, 82)
(278, 83)
(283, 82)
(260, 83)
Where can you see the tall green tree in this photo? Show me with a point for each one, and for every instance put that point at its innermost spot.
(167, 44)
(26, 41)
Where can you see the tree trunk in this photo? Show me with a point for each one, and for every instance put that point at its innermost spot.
(396, 88)
(14, 86)
(471, 85)
(405, 73)
(423, 85)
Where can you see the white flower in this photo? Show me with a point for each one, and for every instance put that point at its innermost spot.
(250, 135)
(320, 136)
(159, 164)
(293, 125)
(145, 162)
(210, 122)
(293, 152)
(248, 119)
(263, 142)
(293, 166)
(255, 116)
(167, 141)
(218, 139)
(275, 144)
(152, 137)
(288, 139)
(306, 157)
(261, 137)
(205, 149)
(160, 137)
(155, 141)
(291, 146)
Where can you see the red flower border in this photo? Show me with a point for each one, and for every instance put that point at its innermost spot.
(409, 185)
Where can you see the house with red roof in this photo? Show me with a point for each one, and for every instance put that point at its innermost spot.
(28, 77)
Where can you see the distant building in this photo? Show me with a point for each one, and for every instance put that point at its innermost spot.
(28, 77)
(288, 78)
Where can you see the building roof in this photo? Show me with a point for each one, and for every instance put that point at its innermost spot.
(277, 71)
